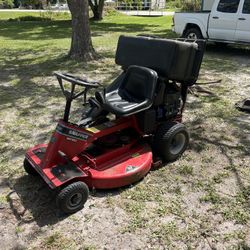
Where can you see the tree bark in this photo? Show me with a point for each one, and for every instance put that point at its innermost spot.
(97, 8)
(81, 44)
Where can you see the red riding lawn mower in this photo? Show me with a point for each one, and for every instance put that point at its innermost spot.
(127, 128)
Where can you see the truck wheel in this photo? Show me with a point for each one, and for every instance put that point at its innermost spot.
(193, 33)
(73, 197)
(28, 168)
(171, 140)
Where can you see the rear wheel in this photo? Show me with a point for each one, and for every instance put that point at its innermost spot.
(28, 168)
(73, 197)
(193, 33)
(171, 140)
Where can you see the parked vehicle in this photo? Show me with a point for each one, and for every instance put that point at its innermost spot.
(59, 6)
(228, 21)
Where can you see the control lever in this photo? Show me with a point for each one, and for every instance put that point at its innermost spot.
(64, 156)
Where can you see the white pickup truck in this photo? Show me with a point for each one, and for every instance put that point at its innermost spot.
(227, 21)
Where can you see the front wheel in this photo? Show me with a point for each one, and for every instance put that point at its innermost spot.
(171, 140)
(73, 197)
(193, 33)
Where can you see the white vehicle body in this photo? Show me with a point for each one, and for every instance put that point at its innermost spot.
(228, 21)
(59, 6)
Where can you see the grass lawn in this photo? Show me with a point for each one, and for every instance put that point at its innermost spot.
(22, 14)
(200, 201)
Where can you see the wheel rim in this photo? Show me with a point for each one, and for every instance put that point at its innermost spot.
(177, 143)
(75, 200)
(192, 35)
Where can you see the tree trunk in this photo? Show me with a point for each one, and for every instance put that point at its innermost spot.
(81, 44)
(97, 8)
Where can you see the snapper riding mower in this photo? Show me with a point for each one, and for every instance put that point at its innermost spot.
(127, 128)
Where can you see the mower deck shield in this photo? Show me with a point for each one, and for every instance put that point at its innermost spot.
(115, 172)
(34, 156)
(122, 170)
(56, 175)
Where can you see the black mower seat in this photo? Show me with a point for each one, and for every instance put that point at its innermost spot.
(134, 94)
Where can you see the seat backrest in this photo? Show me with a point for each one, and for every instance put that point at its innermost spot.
(171, 59)
(138, 84)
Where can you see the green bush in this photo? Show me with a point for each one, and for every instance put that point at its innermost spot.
(6, 4)
(17, 3)
(37, 4)
(191, 5)
(185, 5)
(52, 15)
(174, 4)
(111, 11)
(132, 4)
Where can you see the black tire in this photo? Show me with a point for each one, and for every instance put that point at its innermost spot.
(73, 197)
(28, 168)
(193, 33)
(170, 141)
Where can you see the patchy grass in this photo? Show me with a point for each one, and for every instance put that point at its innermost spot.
(186, 170)
(16, 14)
(211, 196)
(200, 201)
(58, 241)
(218, 178)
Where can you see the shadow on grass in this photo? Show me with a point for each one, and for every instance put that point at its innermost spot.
(230, 50)
(35, 30)
(62, 29)
(200, 140)
(37, 198)
(225, 59)
(23, 71)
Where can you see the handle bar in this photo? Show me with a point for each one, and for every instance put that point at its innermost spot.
(71, 95)
(76, 80)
